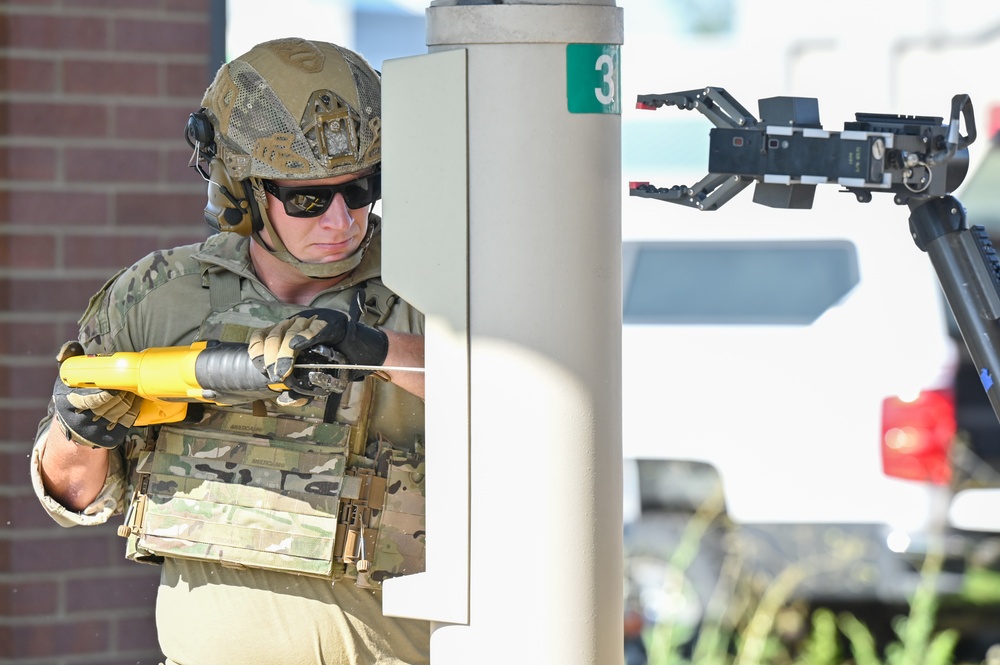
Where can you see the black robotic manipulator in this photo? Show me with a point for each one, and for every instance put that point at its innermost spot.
(920, 160)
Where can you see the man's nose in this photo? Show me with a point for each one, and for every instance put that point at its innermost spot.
(337, 214)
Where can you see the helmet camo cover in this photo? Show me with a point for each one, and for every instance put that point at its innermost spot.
(294, 109)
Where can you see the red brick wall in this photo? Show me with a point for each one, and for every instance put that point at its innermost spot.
(94, 95)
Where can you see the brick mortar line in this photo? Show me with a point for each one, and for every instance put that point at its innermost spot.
(104, 187)
(120, 100)
(11, 492)
(75, 616)
(34, 404)
(41, 317)
(85, 55)
(62, 273)
(127, 569)
(75, 574)
(99, 658)
(101, 142)
(63, 9)
(48, 533)
(58, 274)
(27, 402)
(25, 361)
(22, 488)
(99, 187)
(60, 231)
(20, 447)
(8, 316)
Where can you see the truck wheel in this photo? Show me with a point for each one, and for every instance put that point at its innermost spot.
(672, 585)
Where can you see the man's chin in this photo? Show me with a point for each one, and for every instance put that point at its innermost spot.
(333, 254)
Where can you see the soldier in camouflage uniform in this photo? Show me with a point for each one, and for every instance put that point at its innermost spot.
(276, 517)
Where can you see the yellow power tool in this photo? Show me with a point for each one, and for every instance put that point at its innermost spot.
(170, 378)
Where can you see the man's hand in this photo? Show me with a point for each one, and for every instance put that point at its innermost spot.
(273, 350)
(90, 416)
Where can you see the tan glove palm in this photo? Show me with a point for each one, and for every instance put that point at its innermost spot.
(115, 407)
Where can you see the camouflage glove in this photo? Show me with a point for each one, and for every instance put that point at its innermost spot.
(90, 416)
(273, 350)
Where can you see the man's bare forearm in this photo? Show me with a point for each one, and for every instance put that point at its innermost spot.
(72, 474)
(406, 350)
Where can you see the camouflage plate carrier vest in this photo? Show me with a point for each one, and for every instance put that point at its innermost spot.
(278, 488)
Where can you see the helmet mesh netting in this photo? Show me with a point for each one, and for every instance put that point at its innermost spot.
(370, 98)
(258, 113)
(260, 125)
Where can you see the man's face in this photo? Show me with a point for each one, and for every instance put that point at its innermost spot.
(333, 235)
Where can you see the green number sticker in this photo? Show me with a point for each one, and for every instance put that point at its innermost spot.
(593, 75)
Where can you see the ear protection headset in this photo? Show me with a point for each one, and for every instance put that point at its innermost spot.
(231, 206)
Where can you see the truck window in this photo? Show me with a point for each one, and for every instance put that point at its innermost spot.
(736, 283)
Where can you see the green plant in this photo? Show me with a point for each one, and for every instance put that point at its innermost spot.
(664, 639)
(739, 623)
(917, 643)
(822, 647)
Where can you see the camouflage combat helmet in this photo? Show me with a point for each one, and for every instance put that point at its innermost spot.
(288, 109)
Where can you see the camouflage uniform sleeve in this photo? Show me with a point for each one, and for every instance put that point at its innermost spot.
(158, 301)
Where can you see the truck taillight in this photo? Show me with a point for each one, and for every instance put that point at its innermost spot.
(917, 436)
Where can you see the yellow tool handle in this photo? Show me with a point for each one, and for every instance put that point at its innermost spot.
(168, 377)
(159, 373)
(155, 412)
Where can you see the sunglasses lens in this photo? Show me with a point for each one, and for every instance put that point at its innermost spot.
(305, 202)
(361, 192)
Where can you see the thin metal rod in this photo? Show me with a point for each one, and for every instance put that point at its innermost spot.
(373, 368)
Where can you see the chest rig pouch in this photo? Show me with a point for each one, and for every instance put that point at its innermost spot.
(279, 488)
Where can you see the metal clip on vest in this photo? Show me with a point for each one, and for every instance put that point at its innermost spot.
(355, 531)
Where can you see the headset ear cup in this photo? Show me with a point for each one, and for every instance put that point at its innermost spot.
(228, 208)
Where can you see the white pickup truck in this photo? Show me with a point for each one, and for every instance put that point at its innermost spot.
(799, 363)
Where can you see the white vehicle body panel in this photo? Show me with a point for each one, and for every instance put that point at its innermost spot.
(790, 415)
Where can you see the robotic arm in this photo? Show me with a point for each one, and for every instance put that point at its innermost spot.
(919, 159)
(788, 152)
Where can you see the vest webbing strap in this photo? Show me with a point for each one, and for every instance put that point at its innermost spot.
(223, 289)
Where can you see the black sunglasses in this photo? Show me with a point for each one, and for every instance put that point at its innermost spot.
(313, 200)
